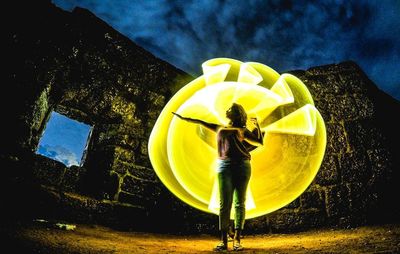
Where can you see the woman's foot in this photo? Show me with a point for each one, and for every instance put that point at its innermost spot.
(221, 247)
(236, 241)
(237, 246)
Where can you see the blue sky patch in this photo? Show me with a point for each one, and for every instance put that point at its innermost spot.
(64, 139)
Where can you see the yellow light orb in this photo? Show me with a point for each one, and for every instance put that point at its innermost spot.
(184, 154)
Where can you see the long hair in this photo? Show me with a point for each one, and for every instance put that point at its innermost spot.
(237, 115)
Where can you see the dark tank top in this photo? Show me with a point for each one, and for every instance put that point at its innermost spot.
(230, 145)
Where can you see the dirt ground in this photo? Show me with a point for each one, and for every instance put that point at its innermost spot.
(46, 238)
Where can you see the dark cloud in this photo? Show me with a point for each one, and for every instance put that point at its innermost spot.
(284, 35)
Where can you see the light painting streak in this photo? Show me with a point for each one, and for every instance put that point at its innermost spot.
(184, 154)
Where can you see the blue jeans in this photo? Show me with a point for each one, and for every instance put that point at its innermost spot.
(233, 179)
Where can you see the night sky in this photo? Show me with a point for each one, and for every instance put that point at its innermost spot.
(285, 35)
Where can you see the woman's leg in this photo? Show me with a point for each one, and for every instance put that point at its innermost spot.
(225, 194)
(240, 182)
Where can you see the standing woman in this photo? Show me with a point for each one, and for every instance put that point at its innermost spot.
(234, 143)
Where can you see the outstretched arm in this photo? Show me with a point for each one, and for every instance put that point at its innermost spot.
(211, 126)
(255, 137)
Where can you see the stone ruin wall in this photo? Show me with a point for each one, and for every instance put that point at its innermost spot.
(89, 72)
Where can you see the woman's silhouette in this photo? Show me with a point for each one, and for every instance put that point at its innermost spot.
(234, 142)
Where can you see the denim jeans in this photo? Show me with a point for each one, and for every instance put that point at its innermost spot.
(233, 178)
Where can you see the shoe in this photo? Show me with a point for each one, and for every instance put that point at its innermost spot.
(237, 246)
(221, 247)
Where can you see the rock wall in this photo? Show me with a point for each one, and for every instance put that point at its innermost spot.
(77, 65)
(357, 181)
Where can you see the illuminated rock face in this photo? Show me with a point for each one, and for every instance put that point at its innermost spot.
(184, 154)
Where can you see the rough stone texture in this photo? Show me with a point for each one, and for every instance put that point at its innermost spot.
(358, 175)
(75, 64)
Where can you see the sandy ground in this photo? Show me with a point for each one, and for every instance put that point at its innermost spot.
(45, 238)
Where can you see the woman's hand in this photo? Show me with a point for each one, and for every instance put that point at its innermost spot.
(259, 135)
(254, 120)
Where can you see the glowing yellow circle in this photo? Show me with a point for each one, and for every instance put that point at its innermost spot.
(184, 154)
